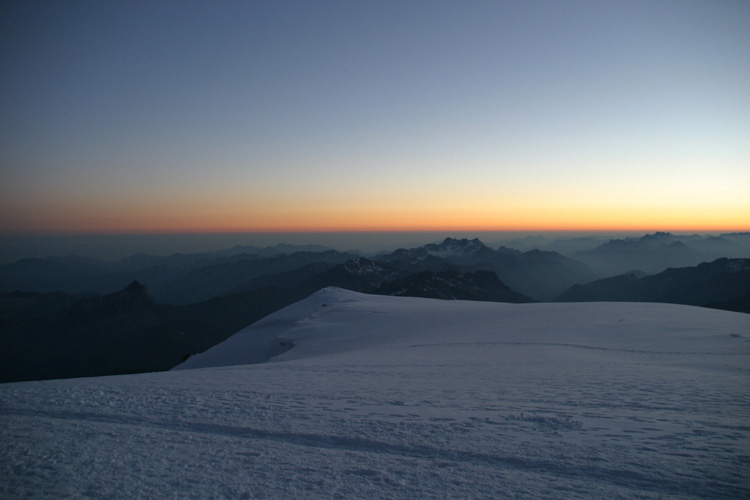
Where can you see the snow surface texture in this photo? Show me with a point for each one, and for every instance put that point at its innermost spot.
(385, 397)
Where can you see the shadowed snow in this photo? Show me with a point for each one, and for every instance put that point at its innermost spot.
(385, 397)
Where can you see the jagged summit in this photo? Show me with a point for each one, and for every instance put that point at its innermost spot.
(136, 287)
(454, 285)
(726, 265)
(658, 235)
(134, 296)
(452, 248)
(363, 266)
(463, 244)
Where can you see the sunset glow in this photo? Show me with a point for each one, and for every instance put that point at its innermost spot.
(374, 117)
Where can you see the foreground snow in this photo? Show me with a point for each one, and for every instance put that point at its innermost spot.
(384, 397)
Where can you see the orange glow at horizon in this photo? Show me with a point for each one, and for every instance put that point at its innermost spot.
(202, 219)
(350, 134)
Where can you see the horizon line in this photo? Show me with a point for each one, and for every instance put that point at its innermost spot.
(19, 233)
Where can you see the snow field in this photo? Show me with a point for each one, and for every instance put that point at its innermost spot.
(385, 397)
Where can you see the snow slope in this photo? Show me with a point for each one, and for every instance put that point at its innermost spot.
(385, 397)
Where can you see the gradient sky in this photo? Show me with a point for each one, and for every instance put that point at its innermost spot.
(285, 116)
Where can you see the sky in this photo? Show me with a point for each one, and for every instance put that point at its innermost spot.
(274, 116)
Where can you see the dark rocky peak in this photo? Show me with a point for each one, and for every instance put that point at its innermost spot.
(453, 285)
(659, 239)
(136, 287)
(359, 274)
(415, 259)
(362, 265)
(406, 254)
(503, 250)
(658, 236)
(649, 241)
(454, 243)
(134, 296)
(134, 293)
(726, 266)
(615, 245)
(452, 248)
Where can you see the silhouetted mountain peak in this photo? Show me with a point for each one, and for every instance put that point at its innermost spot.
(659, 235)
(658, 238)
(723, 281)
(454, 285)
(133, 297)
(134, 292)
(455, 248)
(503, 250)
(136, 287)
(408, 254)
(726, 266)
(415, 259)
(463, 243)
(364, 266)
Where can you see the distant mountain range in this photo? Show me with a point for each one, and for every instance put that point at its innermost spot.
(59, 335)
(538, 274)
(71, 316)
(711, 247)
(175, 279)
(454, 285)
(184, 279)
(723, 283)
(656, 252)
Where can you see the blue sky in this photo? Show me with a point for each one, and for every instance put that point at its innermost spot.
(203, 116)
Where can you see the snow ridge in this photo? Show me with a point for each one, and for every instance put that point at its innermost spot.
(335, 320)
